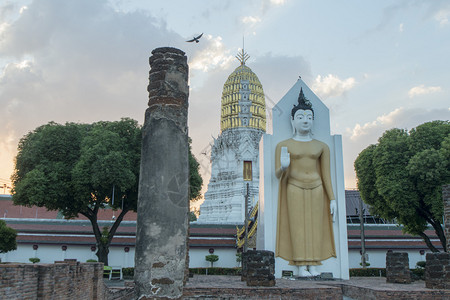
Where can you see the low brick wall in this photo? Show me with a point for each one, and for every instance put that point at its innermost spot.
(437, 271)
(258, 293)
(71, 280)
(357, 292)
(397, 267)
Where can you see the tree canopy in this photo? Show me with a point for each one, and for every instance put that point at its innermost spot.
(401, 177)
(82, 168)
(8, 238)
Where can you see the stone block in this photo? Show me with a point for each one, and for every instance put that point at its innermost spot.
(397, 267)
(258, 268)
(437, 270)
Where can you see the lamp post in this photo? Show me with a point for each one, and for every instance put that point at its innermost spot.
(363, 237)
(247, 194)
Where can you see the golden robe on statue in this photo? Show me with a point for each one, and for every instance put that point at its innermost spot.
(304, 224)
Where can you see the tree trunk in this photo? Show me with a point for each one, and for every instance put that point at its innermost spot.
(428, 216)
(440, 233)
(102, 241)
(428, 242)
(102, 253)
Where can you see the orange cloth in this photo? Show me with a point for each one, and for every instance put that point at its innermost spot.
(304, 224)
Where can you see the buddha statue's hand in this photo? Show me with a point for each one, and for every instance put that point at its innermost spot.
(285, 158)
(333, 209)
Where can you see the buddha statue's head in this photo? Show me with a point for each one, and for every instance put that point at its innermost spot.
(302, 116)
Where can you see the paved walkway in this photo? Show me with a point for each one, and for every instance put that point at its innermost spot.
(355, 288)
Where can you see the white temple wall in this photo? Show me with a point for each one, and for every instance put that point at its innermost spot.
(227, 256)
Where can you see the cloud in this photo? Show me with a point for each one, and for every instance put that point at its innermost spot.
(251, 20)
(442, 15)
(79, 61)
(383, 121)
(361, 136)
(267, 5)
(278, 2)
(423, 90)
(213, 55)
(331, 85)
(401, 27)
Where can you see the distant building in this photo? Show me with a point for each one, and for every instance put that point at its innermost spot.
(234, 154)
(47, 235)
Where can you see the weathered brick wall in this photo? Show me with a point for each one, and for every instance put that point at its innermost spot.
(71, 280)
(437, 271)
(260, 268)
(397, 267)
(446, 199)
(18, 281)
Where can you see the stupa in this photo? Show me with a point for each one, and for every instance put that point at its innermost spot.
(235, 152)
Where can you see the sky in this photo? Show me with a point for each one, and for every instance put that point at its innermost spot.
(377, 65)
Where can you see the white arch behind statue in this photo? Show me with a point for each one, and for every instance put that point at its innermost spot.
(268, 193)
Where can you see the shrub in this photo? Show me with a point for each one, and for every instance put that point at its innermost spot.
(216, 271)
(212, 258)
(8, 240)
(421, 264)
(34, 260)
(128, 273)
(418, 274)
(91, 260)
(368, 272)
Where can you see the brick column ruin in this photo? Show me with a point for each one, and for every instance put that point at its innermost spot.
(397, 267)
(163, 201)
(446, 199)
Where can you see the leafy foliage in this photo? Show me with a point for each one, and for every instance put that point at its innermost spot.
(82, 168)
(34, 260)
(195, 180)
(8, 238)
(128, 273)
(192, 217)
(401, 177)
(216, 271)
(212, 258)
(368, 272)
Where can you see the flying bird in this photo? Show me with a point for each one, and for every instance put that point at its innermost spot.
(196, 39)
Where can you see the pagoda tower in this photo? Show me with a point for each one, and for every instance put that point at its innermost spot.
(234, 154)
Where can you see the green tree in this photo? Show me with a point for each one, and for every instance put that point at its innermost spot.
(192, 217)
(401, 177)
(8, 238)
(212, 258)
(195, 180)
(80, 169)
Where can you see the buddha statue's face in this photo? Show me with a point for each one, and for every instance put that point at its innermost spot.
(303, 121)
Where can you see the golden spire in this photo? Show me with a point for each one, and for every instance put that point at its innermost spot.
(242, 56)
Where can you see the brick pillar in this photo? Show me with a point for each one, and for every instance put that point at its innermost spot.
(437, 271)
(446, 199)
(163, 201)
(260, 268)
(397, 267)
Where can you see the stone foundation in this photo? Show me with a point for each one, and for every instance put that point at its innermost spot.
(437, 271)
(397, 267)
(259, 268)
(72, 280)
